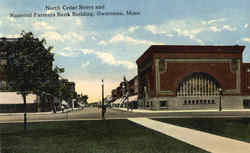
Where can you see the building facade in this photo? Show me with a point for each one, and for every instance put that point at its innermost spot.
(122, 97)
(9, 100)
(190, 77)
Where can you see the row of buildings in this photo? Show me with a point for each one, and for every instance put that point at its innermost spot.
(187, 77)
(11, 102)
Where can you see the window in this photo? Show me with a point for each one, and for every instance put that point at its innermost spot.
(162, 65)
(246, 103)
(163, 104)
(3, 53)
(3, 62)
(248, 69)
(234, 65)
(3, 84)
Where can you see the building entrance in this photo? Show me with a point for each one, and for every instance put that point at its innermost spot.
(246, 103)
(198, 88)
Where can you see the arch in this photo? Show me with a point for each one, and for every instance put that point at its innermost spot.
(198, 84)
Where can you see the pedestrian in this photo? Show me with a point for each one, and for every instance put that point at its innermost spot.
(62, 108)
(104, 111)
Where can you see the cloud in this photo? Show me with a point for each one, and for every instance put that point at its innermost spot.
(178, 27)
(102, 42)
(133, 28)
(13, 36)
(55, 36)
(83, 65)
(246, 39)
(213, 21)
(158, 30)
(93, 37)
(188, 33)
(10, 35)
(245, 25)
(191, 34)
(229, 28)
(73, 36)
(78, 21)
(109, 59)
(68, 52)
(11, 19)
(88, 51)
(214, 29)
(123, 38)
(41, 25)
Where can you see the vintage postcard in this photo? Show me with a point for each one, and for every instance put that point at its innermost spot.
(113, 76)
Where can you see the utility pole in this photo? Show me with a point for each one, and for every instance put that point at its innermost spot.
(102, 100)
(220, 93)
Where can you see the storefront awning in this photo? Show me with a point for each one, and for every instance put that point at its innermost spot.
(64, 102)
(133, 98)
(117, 101)
(14, 98)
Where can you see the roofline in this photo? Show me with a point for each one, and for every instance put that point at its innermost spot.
(190, 49)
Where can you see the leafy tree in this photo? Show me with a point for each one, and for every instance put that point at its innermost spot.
(29, 66)
(52, 86)
(83, 99)
(67, 93)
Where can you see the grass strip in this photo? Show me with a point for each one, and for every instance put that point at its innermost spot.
(109, 136)
(235, 128)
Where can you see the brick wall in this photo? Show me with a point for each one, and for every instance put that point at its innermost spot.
(176, 72)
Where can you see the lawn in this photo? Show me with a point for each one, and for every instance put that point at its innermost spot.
(236, 128)
(109, 136)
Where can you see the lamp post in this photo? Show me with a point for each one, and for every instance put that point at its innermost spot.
(123, 91)
(102, 99)
(220, 93)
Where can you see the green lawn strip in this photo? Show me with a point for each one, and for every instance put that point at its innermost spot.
(109, 136)
(235, 128)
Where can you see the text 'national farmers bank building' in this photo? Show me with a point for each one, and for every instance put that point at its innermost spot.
(191, 77)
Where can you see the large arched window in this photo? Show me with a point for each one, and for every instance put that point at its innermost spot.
(198, 84)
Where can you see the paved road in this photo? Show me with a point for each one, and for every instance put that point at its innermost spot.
(95, 113)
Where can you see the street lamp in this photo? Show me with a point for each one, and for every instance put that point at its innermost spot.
(125, 92)
(220, 93)
(102, 99)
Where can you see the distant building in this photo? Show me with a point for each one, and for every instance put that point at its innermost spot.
(122, 97)
(191, 77)
(12, 102)
(3, 62)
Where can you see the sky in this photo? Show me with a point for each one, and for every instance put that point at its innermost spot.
(92, 48)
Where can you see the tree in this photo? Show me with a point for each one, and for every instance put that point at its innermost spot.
(68, 93)
(29, 66)
(83, 99)
(52, 86)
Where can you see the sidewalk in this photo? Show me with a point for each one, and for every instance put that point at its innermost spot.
(203, 140)
(33, 113)
(41, 113)
(170, 111)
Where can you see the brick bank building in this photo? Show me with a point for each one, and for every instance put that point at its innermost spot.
(190, 77)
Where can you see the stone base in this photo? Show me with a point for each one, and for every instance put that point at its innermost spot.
(188, 103)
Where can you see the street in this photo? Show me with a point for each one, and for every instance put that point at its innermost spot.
(95, 114)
